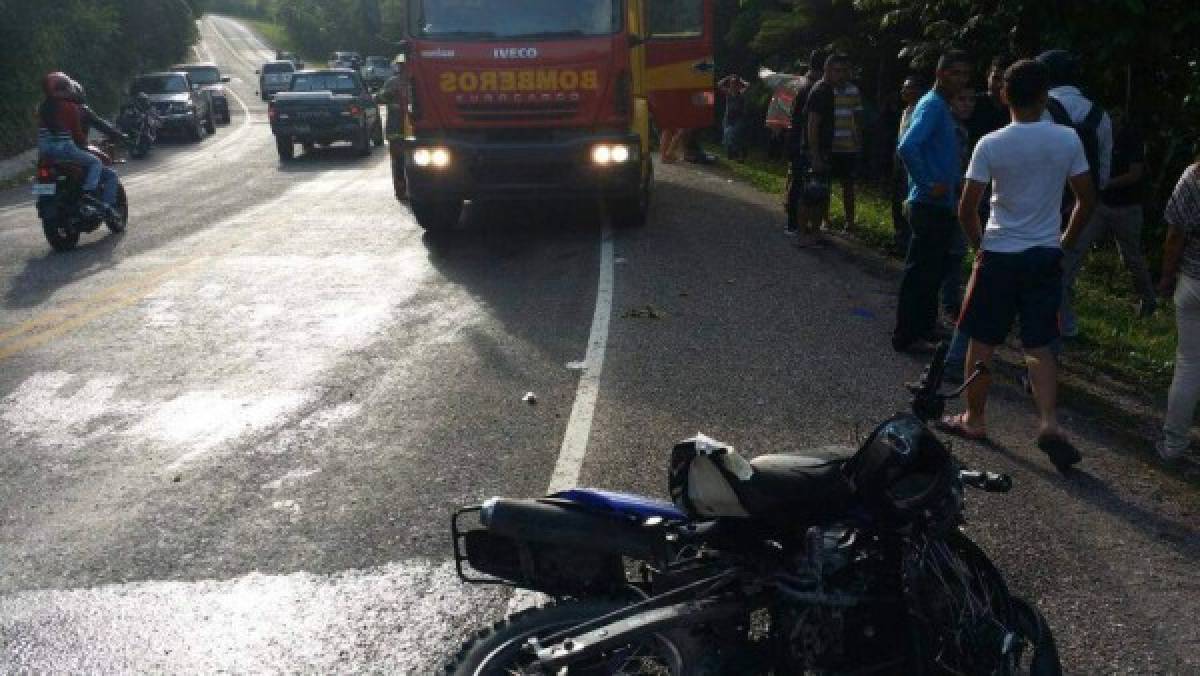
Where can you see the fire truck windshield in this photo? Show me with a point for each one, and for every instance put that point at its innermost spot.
(515, 19)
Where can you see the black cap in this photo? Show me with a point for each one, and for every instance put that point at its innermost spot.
(1062, 66)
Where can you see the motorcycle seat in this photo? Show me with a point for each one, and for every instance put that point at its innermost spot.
(787, 486)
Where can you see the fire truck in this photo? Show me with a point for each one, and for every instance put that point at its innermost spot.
(548, 99)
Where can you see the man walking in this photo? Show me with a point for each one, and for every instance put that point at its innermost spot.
(930, 151)
(1018, 268)
(1068, 106)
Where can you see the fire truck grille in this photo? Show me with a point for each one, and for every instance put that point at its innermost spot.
(524, 174)
(502, 112)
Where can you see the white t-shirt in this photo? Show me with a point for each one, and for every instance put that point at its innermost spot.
(1028, 165)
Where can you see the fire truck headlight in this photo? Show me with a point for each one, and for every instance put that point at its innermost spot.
(604, 155)
(438, 158)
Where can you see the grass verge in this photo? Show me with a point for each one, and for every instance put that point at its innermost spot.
(1138, 353)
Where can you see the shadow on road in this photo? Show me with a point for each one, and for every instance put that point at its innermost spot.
(330, 159)
(41, 277)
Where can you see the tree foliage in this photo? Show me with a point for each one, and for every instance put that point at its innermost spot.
(101, 43)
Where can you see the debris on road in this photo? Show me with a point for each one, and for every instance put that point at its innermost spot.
(644, 312)
(530, 398)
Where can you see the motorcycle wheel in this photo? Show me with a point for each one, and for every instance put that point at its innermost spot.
(60, 234)
(122, 207)
(498, 650)
(210, 124)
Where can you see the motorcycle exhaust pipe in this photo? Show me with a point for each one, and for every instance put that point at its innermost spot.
(572, 526)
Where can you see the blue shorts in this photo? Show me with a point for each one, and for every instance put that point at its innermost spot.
(1004, 287)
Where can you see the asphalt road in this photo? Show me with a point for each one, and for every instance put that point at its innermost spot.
(231, 439)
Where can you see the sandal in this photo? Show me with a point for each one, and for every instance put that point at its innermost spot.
(1062, 453)
(956, 425)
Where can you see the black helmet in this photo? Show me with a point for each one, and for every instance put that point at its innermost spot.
(903, 472)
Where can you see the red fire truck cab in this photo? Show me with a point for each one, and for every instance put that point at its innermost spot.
(548, 99)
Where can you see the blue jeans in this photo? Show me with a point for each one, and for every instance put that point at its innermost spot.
(97, 175)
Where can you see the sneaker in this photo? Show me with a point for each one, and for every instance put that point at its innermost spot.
(1165, 453)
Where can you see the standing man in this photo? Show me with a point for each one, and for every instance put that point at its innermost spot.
(910, 92)
(1120, 212)
(734, 122)
(1018, 267)
(394, 94)
(931, 154)
(1068, 106)
(823, 128)
(991, 113)
(799, 218)
(847, 140)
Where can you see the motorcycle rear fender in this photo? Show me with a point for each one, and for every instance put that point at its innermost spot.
(554, 546)
(47, 208)
(570, 647)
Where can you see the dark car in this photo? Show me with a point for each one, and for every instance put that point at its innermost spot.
(274, 77)
(183, 107)
(376, 71)
(208, 77)
(323, 107)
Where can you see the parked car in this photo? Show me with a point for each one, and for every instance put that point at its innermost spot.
(274, 77)
(323, 107)
(208, 77)
(289, 56)
(376, 71)
(351, 60)
(183, 107)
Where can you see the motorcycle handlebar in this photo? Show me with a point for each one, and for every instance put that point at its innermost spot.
(992, 482)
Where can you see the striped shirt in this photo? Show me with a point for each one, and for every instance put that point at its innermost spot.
(847, 105)
(1183, 214)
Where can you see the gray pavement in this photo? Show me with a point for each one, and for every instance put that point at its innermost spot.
(230, 440)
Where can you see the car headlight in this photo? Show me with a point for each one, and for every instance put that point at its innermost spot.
(438, 158)
(606, 154)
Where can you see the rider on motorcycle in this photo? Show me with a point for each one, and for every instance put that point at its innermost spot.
(63, 121)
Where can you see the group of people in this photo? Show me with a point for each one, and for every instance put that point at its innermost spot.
(1028, 175)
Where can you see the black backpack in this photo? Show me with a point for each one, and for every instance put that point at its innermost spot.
(1087, 130)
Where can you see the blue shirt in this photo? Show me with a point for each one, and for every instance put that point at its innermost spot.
(930, 150)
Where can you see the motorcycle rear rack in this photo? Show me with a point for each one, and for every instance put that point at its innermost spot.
(459, 535)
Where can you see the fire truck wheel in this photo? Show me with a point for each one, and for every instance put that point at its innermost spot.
(286, 147)
(437, 216)
(632, 212)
